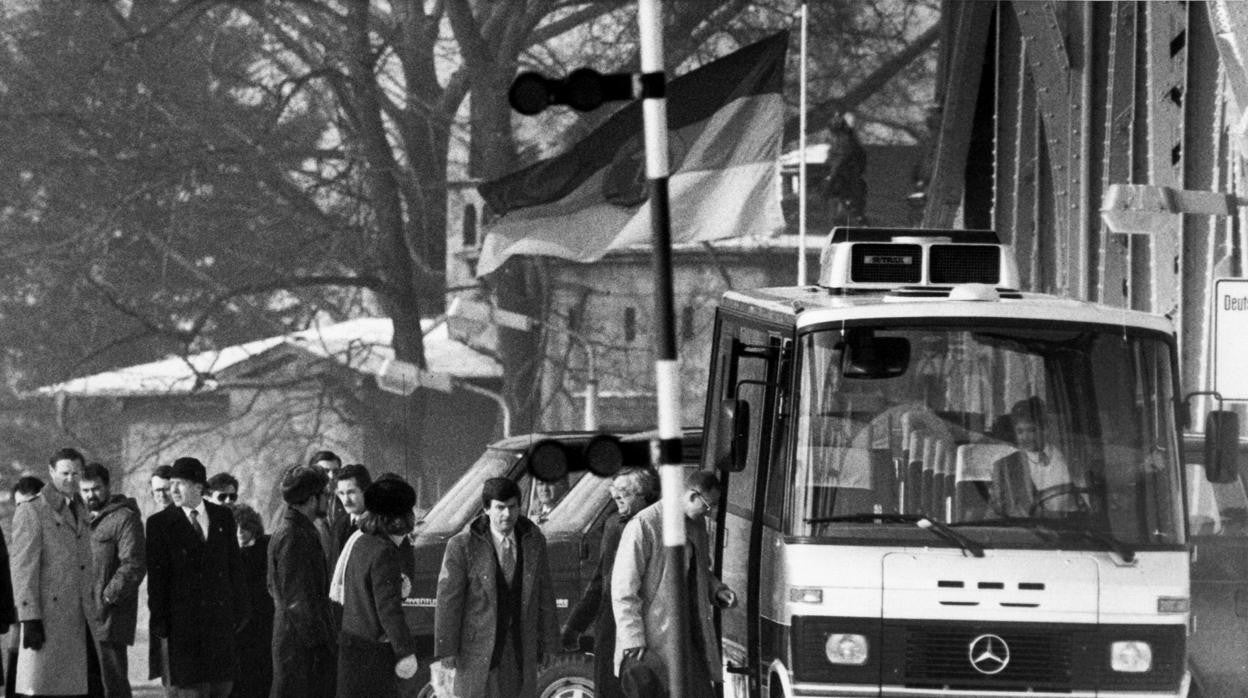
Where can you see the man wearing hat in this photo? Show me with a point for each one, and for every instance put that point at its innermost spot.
(375, 648)
(494, 635)
(303, 637)
(195, 587)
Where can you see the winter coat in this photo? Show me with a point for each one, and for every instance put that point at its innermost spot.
(595, 607)
(196, 593)
(119, 551)
(52, 576)
(372, 613)
(302, 622)
(255, 639)
(464, 622)
(643, 615)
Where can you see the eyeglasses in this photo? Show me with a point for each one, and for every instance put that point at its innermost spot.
(705, 502)
(226, 497)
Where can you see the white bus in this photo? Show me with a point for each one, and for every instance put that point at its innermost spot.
(936, 485)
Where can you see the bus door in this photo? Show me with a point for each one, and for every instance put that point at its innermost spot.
(746, 370)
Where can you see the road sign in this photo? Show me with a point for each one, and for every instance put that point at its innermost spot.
(1230, 338)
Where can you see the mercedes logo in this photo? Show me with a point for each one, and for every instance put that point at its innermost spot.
(989, 654)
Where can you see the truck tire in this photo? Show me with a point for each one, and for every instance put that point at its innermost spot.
(568, 675)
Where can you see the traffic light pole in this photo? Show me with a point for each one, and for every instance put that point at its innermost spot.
(666, 367)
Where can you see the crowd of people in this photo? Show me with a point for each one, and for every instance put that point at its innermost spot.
(315, 608)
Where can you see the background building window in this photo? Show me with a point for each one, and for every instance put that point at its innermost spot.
(630, 324)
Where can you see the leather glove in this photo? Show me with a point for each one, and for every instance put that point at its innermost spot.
(32, 634)
(570, 639)
(407, 666)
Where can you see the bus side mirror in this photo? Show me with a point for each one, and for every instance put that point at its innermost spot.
(1222, 446)
(734, 435)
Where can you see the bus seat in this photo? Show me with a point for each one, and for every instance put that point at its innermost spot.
(913, 470)
(942, 477)
(972, 475)
(928, 499)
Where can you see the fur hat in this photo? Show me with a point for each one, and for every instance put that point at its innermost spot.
(389, 497)
(188, 468)
(301, 482)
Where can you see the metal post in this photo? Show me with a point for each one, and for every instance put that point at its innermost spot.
(666, 369)
(496, 397)
(801, 163)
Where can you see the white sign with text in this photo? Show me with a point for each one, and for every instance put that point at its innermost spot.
(1230, 338)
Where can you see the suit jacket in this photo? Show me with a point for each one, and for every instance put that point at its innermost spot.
(1012, 492)
(465, 619)
(196, 593)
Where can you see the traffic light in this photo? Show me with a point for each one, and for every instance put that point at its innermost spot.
(584, 89)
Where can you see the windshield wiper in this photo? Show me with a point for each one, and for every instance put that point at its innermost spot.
(1046, 530)
(938, 528)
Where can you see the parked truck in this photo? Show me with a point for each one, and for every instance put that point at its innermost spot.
(937, 485)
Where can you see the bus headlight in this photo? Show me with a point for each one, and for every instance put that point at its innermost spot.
(1131, 656)
(846, 648)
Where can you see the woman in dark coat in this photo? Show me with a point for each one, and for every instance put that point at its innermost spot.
(254, 639)
(375, 647)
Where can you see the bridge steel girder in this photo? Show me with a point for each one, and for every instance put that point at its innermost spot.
(1083, 96)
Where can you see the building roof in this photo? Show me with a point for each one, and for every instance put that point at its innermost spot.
(362, 345)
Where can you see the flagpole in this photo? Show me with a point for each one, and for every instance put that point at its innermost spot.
(801, 163)
(666, 368)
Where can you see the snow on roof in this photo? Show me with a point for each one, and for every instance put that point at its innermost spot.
(362, 345)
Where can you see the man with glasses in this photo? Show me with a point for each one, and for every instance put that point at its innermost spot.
(643, 614)
(632, 490)
(223, 489)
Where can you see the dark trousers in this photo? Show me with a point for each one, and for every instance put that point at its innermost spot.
(506, 679)
(114, 669)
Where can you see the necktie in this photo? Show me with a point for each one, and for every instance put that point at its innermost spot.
(508, 560)
(195, 523)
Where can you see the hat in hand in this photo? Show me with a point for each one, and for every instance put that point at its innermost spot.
(301, 482)
(389, 497)
(190, 469)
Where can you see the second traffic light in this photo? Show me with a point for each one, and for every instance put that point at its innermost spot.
(584, 89)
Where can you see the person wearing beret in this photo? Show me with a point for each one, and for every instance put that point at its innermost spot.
(52, 585)
(303, 637)
(375, 647)
(494, 621)
(195, 588)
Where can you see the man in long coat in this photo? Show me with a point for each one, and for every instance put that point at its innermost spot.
(303, 637)
(119, 553)
(495, 616)
(52, 574)
(195, 589)
(632, 489)
(643, 614)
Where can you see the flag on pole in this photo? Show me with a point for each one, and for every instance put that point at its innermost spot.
(725, 121)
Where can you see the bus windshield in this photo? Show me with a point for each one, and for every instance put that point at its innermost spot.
(1069, 428)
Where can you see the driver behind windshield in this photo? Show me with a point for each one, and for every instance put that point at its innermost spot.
(1036, 479)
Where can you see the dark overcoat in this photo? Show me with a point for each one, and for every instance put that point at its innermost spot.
(255, 638)
(196, 593)
(120, 554)
(595, 607)
(374, 630)
(303, 637)
(465, 623)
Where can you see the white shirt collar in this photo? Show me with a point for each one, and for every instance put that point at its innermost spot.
(498, 538)
(200, 511)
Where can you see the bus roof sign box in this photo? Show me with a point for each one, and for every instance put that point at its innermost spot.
(1230, 332)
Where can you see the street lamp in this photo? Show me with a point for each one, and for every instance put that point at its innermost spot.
(467, 318)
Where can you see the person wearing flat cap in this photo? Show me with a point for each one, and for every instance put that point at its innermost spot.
(375, 647)
(195, 587)
(494, 622)
(303, 635)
